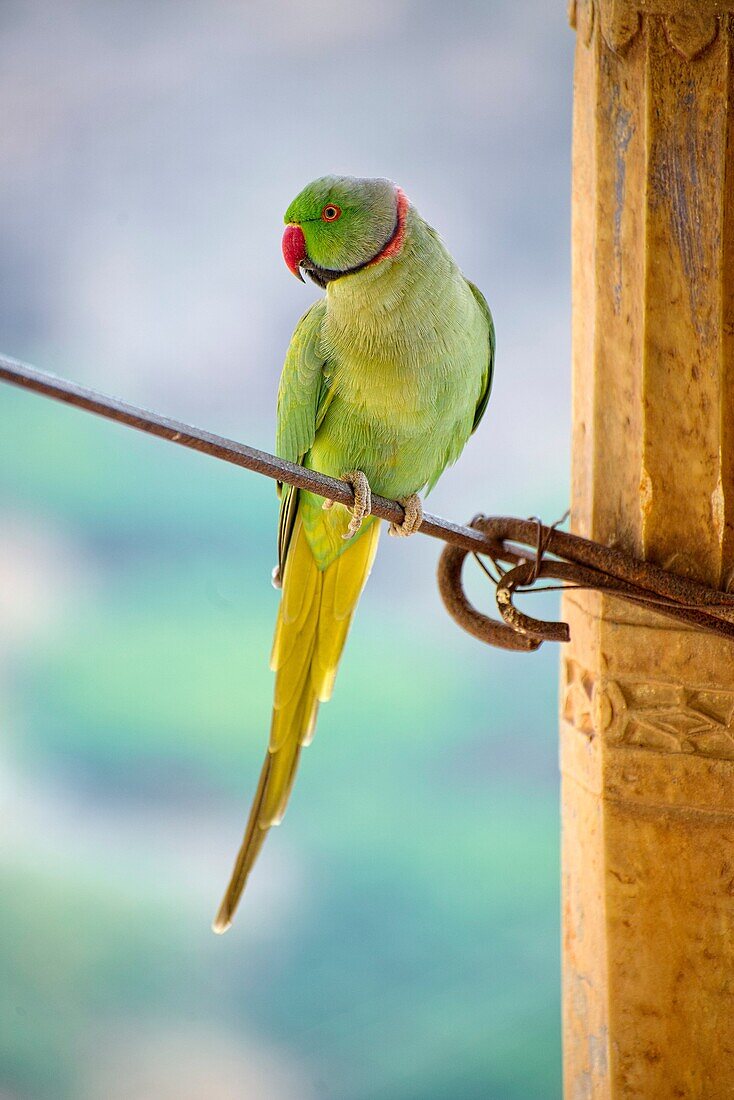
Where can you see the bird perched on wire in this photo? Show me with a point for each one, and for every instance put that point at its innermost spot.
(385, 379)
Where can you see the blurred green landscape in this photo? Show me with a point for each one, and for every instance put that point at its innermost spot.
(400, 936)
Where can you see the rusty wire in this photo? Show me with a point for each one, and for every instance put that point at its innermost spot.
(534, 551)
(531, 550)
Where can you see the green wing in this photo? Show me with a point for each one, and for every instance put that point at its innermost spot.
(302, 400)
(487, 386)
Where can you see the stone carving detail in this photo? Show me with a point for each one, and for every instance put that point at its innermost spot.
(690, 29)
(691, 32)
(577, 705)
(665, 717)
(581, 15)
(620, 22)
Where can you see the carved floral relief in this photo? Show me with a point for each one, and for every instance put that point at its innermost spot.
(656, 715)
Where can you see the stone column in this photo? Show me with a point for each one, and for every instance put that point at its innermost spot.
(647, 707)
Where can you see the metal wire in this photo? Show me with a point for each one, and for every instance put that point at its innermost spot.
(527, 547)
(185, 435)
(530, 550)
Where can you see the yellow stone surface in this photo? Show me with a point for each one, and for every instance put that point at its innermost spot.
(647, 707)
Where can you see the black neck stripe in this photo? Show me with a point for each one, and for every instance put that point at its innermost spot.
(323, 275)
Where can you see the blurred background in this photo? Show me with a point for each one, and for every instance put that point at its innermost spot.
(399, 938)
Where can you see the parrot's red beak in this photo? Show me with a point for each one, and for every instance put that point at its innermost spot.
(294, 249)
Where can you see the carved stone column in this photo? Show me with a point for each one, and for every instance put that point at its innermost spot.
(647, 708)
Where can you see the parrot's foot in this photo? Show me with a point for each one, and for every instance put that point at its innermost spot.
(275, 578)
(362, 500)
(413, 509)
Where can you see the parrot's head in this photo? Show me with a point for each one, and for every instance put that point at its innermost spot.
(339, 225)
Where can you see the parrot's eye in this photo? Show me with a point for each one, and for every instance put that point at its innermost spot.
(331, 212)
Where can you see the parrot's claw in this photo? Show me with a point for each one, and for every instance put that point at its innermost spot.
(413, 509)
(328, 505)
(275, 578)
(362, 501)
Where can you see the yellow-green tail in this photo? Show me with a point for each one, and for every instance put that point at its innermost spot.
(315, 611)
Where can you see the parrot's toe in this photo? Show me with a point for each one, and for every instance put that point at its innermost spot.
(413, 508)
(362, 500)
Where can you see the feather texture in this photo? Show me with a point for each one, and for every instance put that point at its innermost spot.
(315, 612)
(389, 374)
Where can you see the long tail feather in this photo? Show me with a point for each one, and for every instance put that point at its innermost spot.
(315, 612)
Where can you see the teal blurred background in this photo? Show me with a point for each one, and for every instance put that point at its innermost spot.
(399, 939)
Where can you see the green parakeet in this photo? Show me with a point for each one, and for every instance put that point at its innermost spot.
(385, 379)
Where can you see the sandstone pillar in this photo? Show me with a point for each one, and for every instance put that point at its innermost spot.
(647, 707)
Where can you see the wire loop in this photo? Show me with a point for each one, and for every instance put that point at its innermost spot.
(577, 563)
